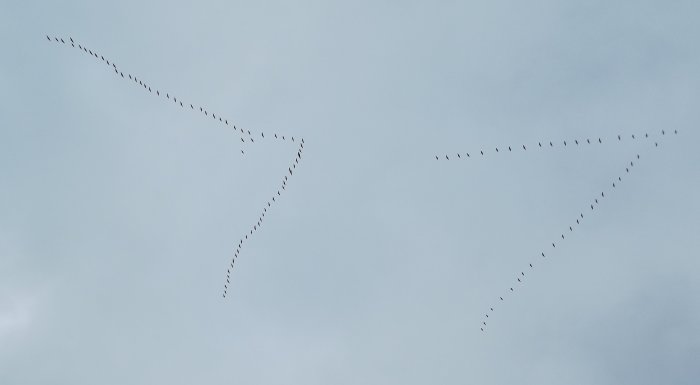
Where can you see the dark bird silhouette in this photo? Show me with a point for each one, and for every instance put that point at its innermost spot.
(447, 157)
(524, 148)
(519, 280)
(482, 152)
(553, 245)
(565, 143)
(531, 265)
(577, 222)
(613, 184)
(47, 36)
(436, 157)
(571, 228)
(501, 298)
(600, 141)
(550, 144)
(633, 136)
(509, 149)
(576, 140)
(619, 137)
(496, 149)
(458, 156)
(562, 236)
(589, 141)
(543, 255)
(539, 143)
(511, 289)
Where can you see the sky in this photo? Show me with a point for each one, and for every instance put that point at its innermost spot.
(120, 211)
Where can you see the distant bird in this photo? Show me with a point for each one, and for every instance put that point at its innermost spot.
(436, 157)
(576, 140)
(600, 141)
(447, 157)
(531, 265)
(591, 207)
(550, 144)
(539, 143)
(553, 245)
(619, 137)
(511, 289)
(519, 280)
(633, 136)
(63, 41)
(663, 132)
(577, 222)
(524, 148)
(543, 255)
(482, 152)
(565, 143)
(627, 169)
(522, 273)
(589, 141)
(613, 184)
(509, 149)
(459, 156)
(501, 298)
(47, 36)
(602, 193)
(596, 200)
(571, 228)
(496, 149)
(468, 155)
(562, 236)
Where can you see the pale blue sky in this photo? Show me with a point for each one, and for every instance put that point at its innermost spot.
(119, 212)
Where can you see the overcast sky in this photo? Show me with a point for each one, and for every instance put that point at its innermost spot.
(120, 211)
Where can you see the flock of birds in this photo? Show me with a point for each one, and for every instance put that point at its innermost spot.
(544, 253)
(481, 153)
(246, 136)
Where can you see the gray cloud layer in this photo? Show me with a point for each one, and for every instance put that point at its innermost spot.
(119, 212)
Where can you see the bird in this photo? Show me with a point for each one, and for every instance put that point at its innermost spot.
(482, 152)
(501, 298)
(496, 149)
(576, 140)
(531, 265)
(633, 136)
(663, 132)
(627, 169)
(600, 141)
(509, 149)
(591, 207)
(589, 141)
(565, 143)
(436, 157)
(613, 184)
(447, 157)
(522, 273)
(519, 280)
(47, 36)
(602, 193)
(539, 143)
(571, 228)
(619, 137)
(577, 222)
(543, 256)
(459, 156)
(468, 155)
(596, 200)
(511, 289)
(553, 245)
(524, 148)
(550, 144)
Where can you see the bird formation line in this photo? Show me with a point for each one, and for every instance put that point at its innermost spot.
(544, 253)
(261, 219)
(542, 145)
(246, 136)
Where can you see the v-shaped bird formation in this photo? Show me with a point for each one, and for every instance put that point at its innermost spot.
(246, 136)
(537, 258)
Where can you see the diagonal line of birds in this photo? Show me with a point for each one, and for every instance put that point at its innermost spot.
(520, 275)
(246, 136)
(541, 146)
(261, 219)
